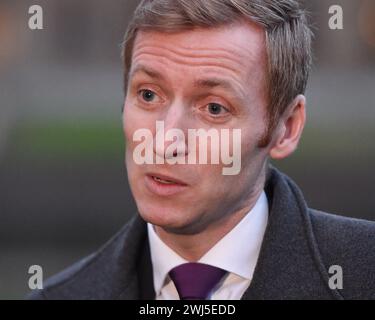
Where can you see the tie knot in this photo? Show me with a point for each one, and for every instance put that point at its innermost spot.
(195, 280)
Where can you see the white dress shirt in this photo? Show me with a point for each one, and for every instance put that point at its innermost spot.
(237, 252)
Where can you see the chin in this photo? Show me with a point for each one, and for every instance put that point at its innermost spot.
(162, 215)
(171, 219)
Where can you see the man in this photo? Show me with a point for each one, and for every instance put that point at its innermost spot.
(201, 234)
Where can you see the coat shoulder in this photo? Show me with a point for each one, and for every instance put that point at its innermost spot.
(61, 280)
(344, 228)
(348, 243)
(85, 278)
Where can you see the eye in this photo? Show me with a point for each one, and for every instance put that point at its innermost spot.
(147, 95)
(216, 109)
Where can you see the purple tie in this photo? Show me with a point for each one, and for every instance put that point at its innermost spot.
(194, 280)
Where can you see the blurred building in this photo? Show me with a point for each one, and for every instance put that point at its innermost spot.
(63, 188)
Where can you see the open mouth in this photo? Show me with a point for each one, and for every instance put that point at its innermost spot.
(166, 180)
(164, 185)
(157, 179)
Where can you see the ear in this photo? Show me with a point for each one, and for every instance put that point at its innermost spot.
(290, 129)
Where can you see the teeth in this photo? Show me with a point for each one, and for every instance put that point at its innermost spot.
(163, 181)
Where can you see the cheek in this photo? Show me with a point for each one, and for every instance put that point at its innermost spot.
(129, 121)
(133, 120)
(250, 137)
(213, 184)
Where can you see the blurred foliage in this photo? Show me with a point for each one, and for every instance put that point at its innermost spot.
(68, 139)
(58, 139)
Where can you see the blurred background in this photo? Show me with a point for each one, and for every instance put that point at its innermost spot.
(63, 185)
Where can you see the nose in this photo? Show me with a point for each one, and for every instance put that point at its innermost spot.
(171, 133)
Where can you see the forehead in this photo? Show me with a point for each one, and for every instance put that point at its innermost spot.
(236, 50)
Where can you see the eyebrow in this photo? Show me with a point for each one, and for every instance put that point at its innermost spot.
(148, 71)
(200, 83)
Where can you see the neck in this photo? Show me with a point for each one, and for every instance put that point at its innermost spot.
(192, 247)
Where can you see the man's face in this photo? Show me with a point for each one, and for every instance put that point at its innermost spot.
(197, 79)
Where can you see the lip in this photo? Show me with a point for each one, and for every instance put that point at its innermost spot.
(164, 189)
(165, 177)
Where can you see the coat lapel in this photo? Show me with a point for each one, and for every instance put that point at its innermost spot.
(135, 261)
(289, 265)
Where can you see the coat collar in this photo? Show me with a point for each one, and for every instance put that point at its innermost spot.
(289, 265)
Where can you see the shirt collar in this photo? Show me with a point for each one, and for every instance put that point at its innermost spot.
(237, 252)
